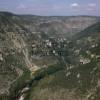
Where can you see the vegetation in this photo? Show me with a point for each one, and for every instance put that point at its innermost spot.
(39, 52)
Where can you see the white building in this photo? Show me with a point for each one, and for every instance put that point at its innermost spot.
(84, 60)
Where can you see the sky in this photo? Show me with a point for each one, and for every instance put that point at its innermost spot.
(52, 7)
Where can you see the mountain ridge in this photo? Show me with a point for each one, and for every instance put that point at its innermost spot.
(32, 43)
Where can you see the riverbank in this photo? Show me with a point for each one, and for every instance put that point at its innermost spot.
(27, 80)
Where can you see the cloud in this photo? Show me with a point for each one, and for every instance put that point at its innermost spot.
(21, 6)
(92, 5)
(74, 5)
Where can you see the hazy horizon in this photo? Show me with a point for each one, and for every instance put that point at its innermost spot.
(52, 7)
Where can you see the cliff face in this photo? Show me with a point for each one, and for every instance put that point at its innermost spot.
(29, 43)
